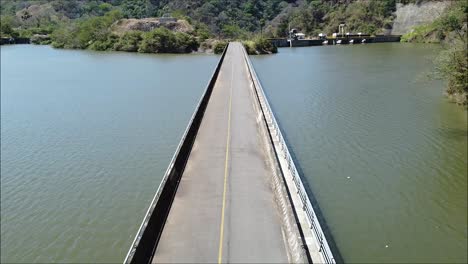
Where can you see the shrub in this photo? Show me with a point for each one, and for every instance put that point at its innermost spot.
(130, 41)
(452, 65)
(420, 34)
(264, 46)
(249, 47)
(219, 47)
(64, 37)
(202, 32)
(158, 40)
(106, 44)
(233, 32)
(259, 46)
(94, 33)
(6, 27)
(162, 40)
(186, 43)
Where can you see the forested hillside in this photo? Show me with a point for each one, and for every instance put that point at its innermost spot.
(91, 24)
(224, 18)
(206, 24)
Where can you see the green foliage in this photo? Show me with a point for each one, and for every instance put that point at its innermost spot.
(249, 46)
(158, 40)
(104, 44)
(420, 34)
(6, 27)
(233, 32)
(452, 62)
(93, 32)
(130, 41)
(162, 40)
(64, 37)
(259, 45)
(71, 9)
(29, 32)
(264, 46)
(238, 16)
(179, 14)
(96, 8)
(219, 47)
(227, 19)
(317, 16)
(202, 31)
(452, 20)
(452, 65)
(138, 8)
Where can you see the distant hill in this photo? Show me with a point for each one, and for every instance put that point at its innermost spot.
(225, 18)
(194, 25)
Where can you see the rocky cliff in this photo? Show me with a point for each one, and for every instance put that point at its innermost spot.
(411, 15)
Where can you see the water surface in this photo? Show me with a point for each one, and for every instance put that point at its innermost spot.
(85, 140)
(382, 150)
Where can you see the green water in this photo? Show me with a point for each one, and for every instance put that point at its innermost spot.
(85, 140)
(369, 112)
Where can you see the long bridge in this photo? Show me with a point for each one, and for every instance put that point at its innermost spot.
(232, 192)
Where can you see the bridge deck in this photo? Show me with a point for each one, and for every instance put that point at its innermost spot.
(227, 168)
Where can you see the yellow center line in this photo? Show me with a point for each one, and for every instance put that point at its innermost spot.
(221, 232)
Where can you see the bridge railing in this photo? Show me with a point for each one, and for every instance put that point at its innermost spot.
(282, 149)
(148, 235)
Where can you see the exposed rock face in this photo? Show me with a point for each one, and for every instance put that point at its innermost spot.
(33, 14)
(408, 16)
(39, 39)
(148, 24)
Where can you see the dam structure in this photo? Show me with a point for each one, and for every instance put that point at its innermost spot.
(232, 192)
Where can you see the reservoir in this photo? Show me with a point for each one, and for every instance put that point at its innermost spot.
(383, 152)
(86, 138)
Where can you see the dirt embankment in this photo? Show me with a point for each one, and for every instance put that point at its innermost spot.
(148, 24)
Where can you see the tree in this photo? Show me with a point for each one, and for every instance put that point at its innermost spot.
(6, 27)
(137, 8)
(233, 32)
(162, 40)
(130, 41)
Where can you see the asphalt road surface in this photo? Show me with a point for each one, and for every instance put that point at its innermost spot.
(224, 208)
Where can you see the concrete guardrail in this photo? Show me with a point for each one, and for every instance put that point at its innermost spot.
(291, 177)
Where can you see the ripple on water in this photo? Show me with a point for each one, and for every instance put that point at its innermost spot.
(364, 112)
(83, 155)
